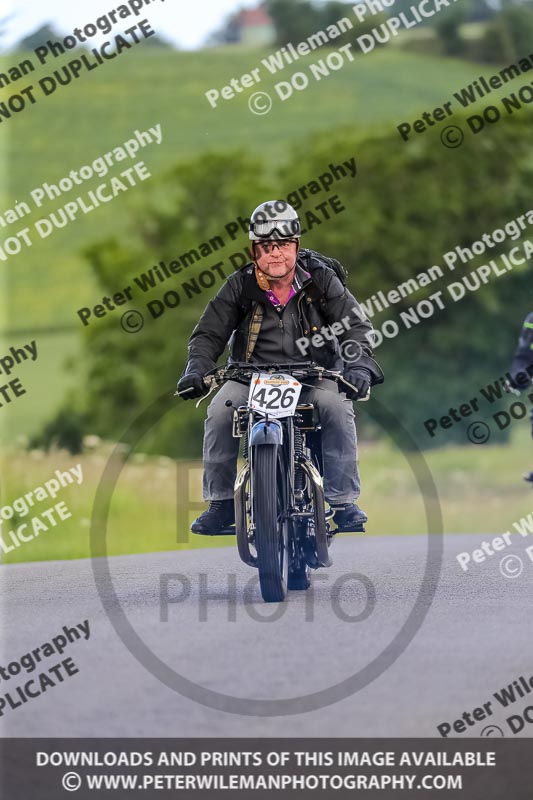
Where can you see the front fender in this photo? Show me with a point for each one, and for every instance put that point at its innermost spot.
(264, 432)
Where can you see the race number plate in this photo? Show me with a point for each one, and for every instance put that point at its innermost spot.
(274, 394)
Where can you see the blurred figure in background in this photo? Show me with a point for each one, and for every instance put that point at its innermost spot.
(522, 367)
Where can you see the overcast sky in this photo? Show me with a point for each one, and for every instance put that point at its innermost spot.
(184, 22)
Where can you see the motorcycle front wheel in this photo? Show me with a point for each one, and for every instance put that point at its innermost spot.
(271, 530)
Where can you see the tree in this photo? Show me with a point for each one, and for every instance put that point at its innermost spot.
(295, 20)
(402, 213)
(127, 372)
(39, 37)
(449, 30)
(509, 35)
(160, 43)
(229, 33)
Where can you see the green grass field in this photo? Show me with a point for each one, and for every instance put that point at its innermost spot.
(480, 490)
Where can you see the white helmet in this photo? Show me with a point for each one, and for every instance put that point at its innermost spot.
(274, 219)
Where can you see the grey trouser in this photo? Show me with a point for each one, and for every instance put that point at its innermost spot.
(339, 442)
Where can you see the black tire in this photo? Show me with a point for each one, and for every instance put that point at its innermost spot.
(270, 537)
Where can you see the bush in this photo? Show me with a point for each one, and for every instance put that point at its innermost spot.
(65, 432)
(508, 36)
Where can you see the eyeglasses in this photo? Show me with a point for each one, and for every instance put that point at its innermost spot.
(283, 244)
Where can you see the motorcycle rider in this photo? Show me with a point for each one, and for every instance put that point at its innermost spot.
(522, 366)
(262, 310)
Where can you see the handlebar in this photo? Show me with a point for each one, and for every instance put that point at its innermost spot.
(245, 371)
(305, 369)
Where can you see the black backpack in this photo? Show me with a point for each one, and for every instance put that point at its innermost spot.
(332, 263)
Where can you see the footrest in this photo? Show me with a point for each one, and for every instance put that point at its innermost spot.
(351, 529)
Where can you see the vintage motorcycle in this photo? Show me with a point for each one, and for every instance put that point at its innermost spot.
(281, 523)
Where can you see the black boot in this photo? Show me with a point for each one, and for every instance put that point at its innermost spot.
(349, 517)
(218, 516)
(528, 477)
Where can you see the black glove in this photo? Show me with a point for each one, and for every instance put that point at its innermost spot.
(194, 383)
(360, 379)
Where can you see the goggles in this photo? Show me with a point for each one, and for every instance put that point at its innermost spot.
(276, 229)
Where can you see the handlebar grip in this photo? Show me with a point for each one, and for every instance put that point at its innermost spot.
(356, 399)
(209, 381)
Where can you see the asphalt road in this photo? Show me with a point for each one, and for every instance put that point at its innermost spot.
(475, 639)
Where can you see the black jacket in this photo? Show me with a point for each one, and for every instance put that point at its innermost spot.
(234, 315)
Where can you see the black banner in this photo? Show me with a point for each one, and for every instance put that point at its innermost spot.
(50, 769)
